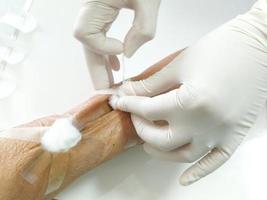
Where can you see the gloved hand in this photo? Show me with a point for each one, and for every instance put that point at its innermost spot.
(221, 86)
(94, 21)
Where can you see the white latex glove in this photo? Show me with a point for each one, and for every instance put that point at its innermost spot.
(223, 80)
(95, 19)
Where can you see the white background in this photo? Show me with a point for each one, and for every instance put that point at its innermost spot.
(54, 78)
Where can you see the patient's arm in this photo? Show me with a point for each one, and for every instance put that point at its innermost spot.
(28, 172)
(156, 67)
(105, 134)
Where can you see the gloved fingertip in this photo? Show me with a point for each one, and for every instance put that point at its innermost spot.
(114, 62)
(135, 38)
(113, 46)
(187, 179)
(131, 44)
(103, 45)
(126, 89)
(113, 101)
(184, 182)
(129, 51)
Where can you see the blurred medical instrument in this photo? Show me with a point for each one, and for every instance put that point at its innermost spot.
(20, 22)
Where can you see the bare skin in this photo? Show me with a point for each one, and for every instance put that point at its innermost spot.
(105, 134)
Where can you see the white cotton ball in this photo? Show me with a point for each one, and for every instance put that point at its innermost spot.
(113, 100)
(61, 136)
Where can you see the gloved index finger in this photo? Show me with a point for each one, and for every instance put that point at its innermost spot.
(144, 25)
(93, 21)
(150, 108)
(160, 137)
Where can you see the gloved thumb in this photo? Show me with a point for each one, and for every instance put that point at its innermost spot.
(144, 25)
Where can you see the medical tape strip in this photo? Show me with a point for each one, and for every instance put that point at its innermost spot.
(58, 171)
(57, 162)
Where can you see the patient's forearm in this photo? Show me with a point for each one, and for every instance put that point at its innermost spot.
(28, 172)
(105, 134)
(156, 67)
(109, 131)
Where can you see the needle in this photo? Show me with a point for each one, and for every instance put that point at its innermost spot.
(123, 68)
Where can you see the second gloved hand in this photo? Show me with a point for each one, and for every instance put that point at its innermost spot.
(221, 86)
(93, 22)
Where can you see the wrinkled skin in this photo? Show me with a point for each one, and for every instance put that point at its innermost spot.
(105, 134)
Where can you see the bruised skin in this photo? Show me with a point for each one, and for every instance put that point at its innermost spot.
(105, 132)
